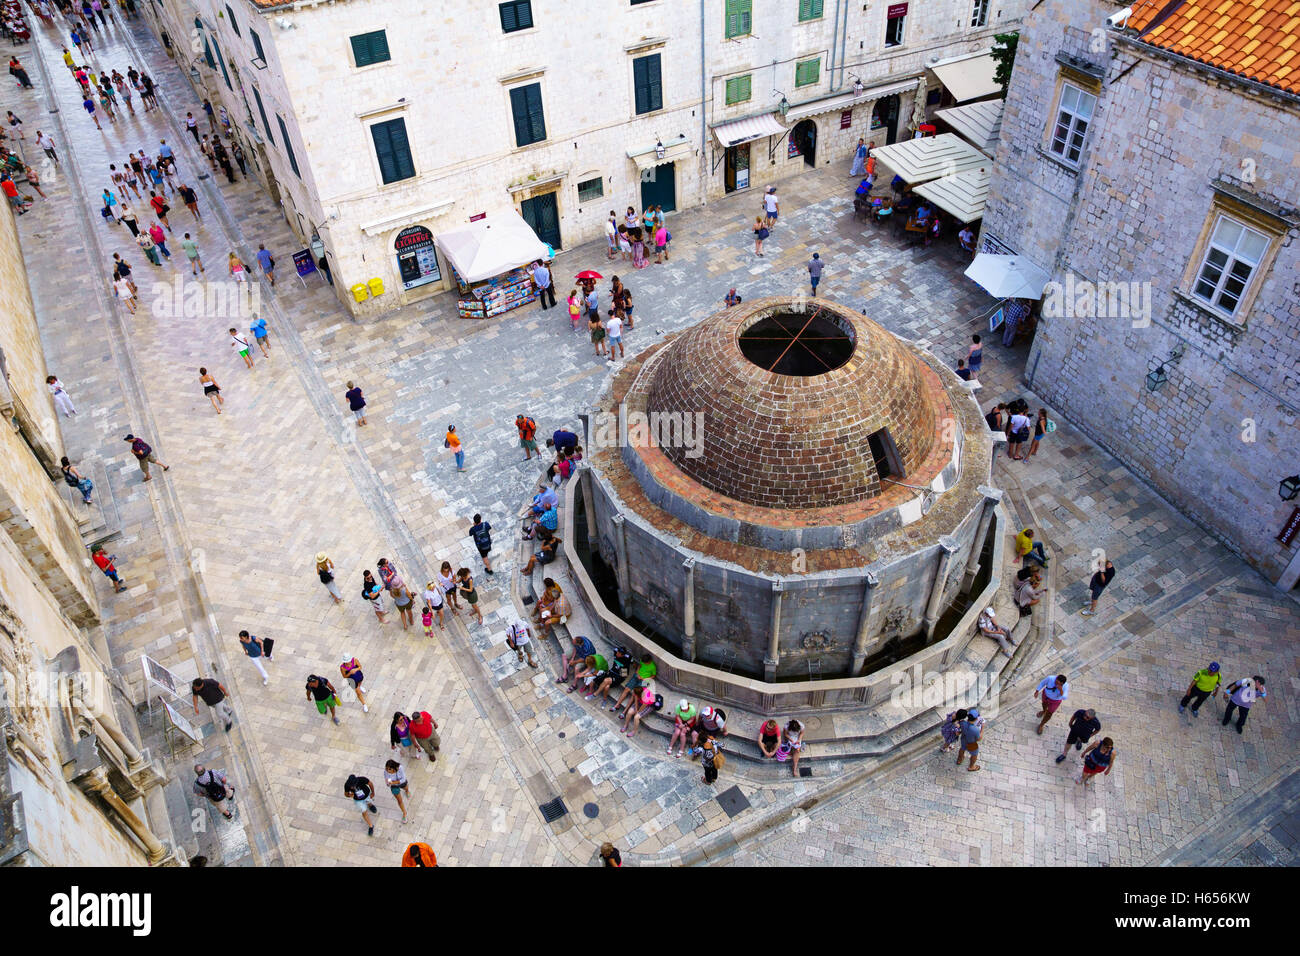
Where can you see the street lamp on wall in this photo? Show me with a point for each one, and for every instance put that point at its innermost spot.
(1288, 488)
(659, 148)
(784, 105)
(1156, 374)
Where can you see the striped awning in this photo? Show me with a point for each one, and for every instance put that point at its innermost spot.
(747, 130)
(961, 195)
(931, 157)
(981, 122)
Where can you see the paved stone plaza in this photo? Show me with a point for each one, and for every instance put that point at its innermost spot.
(226, 540)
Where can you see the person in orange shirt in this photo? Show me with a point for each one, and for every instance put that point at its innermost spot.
(419, 854)
(452, 441)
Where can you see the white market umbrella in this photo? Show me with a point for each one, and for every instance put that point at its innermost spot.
(1008, 277)
(488, 248)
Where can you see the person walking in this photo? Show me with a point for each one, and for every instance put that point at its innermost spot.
(350, 668)
(325, 696)
(76, 479)
(213, 693)
(211, 115)
(975, 357)
(105, 563)
(597, 330)
(260, 335)
(266, 262)
(62, 400)
(373, 592)
(971, 731)
(1102, 577)
(361, 790)
(519, 639)
(191, 250)
(88, 104)
(356, 403)
(815, 267)
(465, 585)
(1098, 758)
(46, 143)
(325, 571)
(211, 389)
(527, 428)
(159, 237)
(609, 856)
(761, 233)
(150, 249)
(237, 152)
(1051, 690)
(404, 601)
(611, 235)
(398, 785)
(771, 207)
(17, 71)
(125, 292)
(399, 735)
(1242, 694)
(1084, 725)
(1204, 685)
(711, 760)
(481, 532)
(452, 442)
(545, 286)
(144, 454)
(434, 602)
(190, 199)
(214, 785)
(424, 733)
(253, 649)
(242, 346)
(614, 332)
(238, 271)
(859, 167)
(160, 207)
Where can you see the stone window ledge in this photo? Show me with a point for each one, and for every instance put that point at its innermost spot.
(1202, 309)
(1051, 157)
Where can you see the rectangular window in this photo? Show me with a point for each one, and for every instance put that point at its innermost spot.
(234, 24)
(980, 14)
(1231, 258)
(368, 48)
(591, 189)
(526, 106)
(810, 10)
(739, 16)
(393, 150)
(895, 21)
(262, 110)
(739, 89)
(635, 2)
(222, 61)
(647, 83)
(1073, 115)
(516, 15)
(808, 72)
(207, 53)
(257, 46)
(288, 145)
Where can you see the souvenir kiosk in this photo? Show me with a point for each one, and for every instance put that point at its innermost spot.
(490, 260)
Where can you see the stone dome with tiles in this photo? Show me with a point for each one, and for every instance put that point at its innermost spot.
(805, 404)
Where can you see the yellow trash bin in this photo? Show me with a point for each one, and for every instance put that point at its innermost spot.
(376, 286)
(360, 292)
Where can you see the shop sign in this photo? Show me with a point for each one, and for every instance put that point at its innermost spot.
(417, 259)
(896, 10)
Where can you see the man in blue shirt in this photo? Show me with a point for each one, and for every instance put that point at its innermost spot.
(564, 441)
(266, 262)
(1053, 690)
(582, 649)
(164, 150)
(593, 305)
(545, 287)
(1241, 694)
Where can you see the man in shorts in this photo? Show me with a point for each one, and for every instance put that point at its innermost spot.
(105, 563)
(519, 639)
(581, 650)
(527, 436)
(1084, 725)
(242, 346)
(214, 785)
(771, 206)
(614, 331)
(143, 455)
(613, 676)
(1053, 690)
(481, 532)
(322, 691)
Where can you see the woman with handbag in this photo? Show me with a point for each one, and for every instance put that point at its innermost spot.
(211, 389)
(374, 593)
(1042, 426)
(325, 571)
(760, 233)
(395, 777)
(399, 734)
(76, 480)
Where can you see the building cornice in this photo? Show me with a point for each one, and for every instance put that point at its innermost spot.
(1245, 84)
(521, 75)
(381, 226)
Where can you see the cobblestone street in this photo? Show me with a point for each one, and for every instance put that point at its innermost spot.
(226, 541)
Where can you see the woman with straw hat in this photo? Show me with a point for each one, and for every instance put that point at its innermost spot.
(325, 569)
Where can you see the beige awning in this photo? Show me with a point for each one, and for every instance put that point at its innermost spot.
(846, 101)
(961, 195)
(931, 157)
(968, 77)
(747, 130)
(645, 158)
(981, 123)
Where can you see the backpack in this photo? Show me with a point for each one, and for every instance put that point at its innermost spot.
(141, 448)
(528, 429)
(482, 537)
(214, 788)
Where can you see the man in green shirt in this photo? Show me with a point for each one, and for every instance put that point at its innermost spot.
(1205, 683)
(191, 249)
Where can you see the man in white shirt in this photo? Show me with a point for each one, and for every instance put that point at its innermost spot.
(1241, 694)
(1018, 435)
(989, 627)
(771, 206)
(519, 640)
(47, 144)
(611, 235)
(614, 331)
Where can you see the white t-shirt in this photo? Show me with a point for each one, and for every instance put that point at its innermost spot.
(614, 327)
(519, 633)
(1018, 422)
(986, 623)
(237, 343)
(434, 597)
(610, 230)
(769, 202)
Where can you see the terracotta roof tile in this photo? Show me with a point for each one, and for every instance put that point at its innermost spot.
(1252, 38)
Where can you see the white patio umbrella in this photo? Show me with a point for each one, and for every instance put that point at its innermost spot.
(1008, 277)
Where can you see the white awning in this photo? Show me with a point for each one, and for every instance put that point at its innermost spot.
(962, 195)
(846, 101)
(968, 77)
(674, 149)
(981, 123)
(1007, 277)
(491, 246)
(747, 130)
(931, 157)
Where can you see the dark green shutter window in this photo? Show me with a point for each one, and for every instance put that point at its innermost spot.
(257, 44)
(392, 150)
(516, 15)
(810, 9)
(738, 89)
(288, 145)
(368, 48)
(207, 54)
(222, 61)
(590, 189)
(234, 24)
(739, 14)
(808, 72)
(261, 109)
(526, 106)
(648, 84)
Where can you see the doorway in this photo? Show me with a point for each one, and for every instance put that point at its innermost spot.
(659, 187)
(737, 168)
(543, 214)
(804, 136)
(885, 115)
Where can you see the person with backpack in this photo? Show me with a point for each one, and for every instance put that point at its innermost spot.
(350, 668)
(481, 532)
(325, 571)
(519, 639)
(361, 790)
(255, 651)
(143, 455)
(214, 785)
(527, 436)
(712, 723)
(711, 759)
(76, 480)
(1241, 694)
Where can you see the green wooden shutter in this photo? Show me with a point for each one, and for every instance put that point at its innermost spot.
(516, 15)
(368, 48)
(288, 145)
(738, 89)
(807, 72)
(647, 83)
(810, 9)
(262, 109)
(739, 15)
(526, 108)
(535, 115)
(392, 150)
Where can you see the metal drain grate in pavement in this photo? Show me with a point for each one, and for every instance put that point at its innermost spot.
(553, 810)
(733, 801)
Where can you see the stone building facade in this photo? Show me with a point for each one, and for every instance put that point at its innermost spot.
(561, 109)
(1160, 193)
(75, 788)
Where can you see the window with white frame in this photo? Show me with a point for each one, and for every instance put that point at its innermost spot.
(1232, 254)
(1073, 114)
(980, 14)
